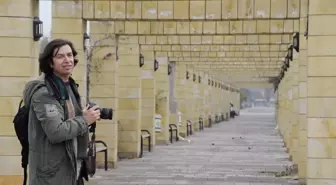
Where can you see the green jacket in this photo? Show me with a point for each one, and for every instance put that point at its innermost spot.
(52, 156)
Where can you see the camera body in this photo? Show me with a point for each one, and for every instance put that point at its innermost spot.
(105, 113)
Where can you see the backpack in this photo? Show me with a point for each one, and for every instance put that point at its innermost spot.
(21, 129)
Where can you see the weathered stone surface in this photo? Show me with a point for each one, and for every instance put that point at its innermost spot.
(244, 151)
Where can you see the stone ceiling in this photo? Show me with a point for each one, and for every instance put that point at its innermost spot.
(243, 40)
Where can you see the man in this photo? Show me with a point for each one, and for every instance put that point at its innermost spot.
(58, 127)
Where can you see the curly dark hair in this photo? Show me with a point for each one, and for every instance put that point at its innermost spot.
(46, 58)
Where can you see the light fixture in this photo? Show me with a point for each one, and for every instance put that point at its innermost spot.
(156, 65)
(169, 69)
(209, 81)
(37, 28)
(199, 79)
(290, 52)
(212, 82)
(286, 62)
(194, 77)
(307, 26)
(86, 40)
(296, 42)
(187, 75)
(141, 60)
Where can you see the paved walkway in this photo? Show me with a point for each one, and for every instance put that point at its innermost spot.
(244, 151)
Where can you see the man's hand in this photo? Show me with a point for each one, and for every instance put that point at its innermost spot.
(91, 115)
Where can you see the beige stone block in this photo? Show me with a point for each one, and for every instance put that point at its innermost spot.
(129, 104)
(11, 70)
(321, 86)
(101, 91)
(236, 27)
(128, 51)
(119, 27)
(169, 27)
(13, 165)
(14, 86)
(197, 9)
(17, 8)
(325, 7)
(213, 9)
(181, 9)
(11, 146)
(128, 146)
(245, 8)
(209, 27)
(183, 27)
(87, 11)
(15, 47)
(318, 22)
(321, 46)
(62, 25)
(294, 8)
(148, 102)
(302, 138)
(279, 9)
(102, 9)
(118, 9)
(7, 127)
(133, 9)
(321, 147)
(165, 10)
(229, 9)
(103, 78)
(16, 27)
(321, 168)
(321, 66)
(131, 27)
(106, 102)
(126, 122)
(321, 127)
(149, 9)
(262, 8)
(129, 82)
(196, 27)
(157, 27)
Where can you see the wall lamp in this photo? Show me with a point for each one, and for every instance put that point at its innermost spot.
(199, 79)
(187, 75)
(141, 60)
(169, 69)
(290, 52)
(194, 77)
(296, 42)
(37, 28)
(156, 65)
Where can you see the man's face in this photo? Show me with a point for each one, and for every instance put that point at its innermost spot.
(63, 61)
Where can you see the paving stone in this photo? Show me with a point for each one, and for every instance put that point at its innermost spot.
(246, 150)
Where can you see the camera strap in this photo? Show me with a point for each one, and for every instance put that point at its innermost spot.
(92, 151)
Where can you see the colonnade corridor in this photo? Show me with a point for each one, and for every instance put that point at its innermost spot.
(247, 150)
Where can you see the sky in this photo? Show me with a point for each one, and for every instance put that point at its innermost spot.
(45, 16)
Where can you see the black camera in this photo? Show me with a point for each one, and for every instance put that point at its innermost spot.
(105, 113)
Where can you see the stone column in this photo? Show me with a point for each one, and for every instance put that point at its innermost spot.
(103, 89)
(148, 92)
(19, 53)
(129, 94)
(321, 93)
(162, 92)
(181, 96)
(294, 107)
(302, 151)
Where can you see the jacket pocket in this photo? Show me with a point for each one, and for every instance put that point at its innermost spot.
(49, 170)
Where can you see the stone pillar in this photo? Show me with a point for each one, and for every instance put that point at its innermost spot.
(206, 100)
(294, 107)
(195, 102)
(19, 53)
(321, 93)
(103, 89)
(148, 92)
(181, 96)
(162, 100)
(302, 151)
(129, 94)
